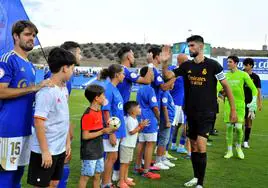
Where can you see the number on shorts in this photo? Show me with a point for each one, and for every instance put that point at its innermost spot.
(15, 148)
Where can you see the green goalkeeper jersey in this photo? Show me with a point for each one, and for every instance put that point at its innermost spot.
(236, 81)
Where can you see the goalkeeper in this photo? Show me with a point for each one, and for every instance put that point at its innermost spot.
(236, 80)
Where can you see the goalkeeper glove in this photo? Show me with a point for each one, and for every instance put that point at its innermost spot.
(253, 105)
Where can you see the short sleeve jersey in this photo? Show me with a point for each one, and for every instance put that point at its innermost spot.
(147, 99)
(17, 72)
(125, 87)
(91, 149)
(200, 84)
(115, 105)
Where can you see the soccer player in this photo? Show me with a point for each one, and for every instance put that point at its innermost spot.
(248, 65)
(200, 80)
(147, 138)
(178, 96)
(167, 115)
(17, 93)
(237, 79)
(113, 107)
(51, 141)
(127, 60)
(158, 84)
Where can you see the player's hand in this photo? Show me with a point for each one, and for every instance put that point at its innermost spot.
(165, 54)
(44, 83)
(46, 160)
(68, 152)
(259, 106)
(233, 116)
(112, 139)
(149, 58)
(251, 115)
(108, 130)
(144, 123)
(168, 125)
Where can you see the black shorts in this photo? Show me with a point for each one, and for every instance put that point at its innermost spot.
(41, 177)
(200, 124)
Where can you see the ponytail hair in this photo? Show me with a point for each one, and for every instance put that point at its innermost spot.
(111, 71)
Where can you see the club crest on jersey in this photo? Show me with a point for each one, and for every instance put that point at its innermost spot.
(154, 99)
(120, 106)
(22, 69)
(159, 79)
(204, 72)
(164, 100)
(133, 75)
(2, 73)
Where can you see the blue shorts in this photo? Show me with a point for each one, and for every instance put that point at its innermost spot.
(91, 167)
(163, 136)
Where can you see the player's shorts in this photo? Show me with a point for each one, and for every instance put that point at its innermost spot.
(200, 124)
(14, 152)
(163, 136)
(108, 147)
(41, 177)
(91, 167)
(179, 116)
(147, 137)
(126, 154)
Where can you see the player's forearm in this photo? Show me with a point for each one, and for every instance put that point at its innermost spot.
(164, 67)
(136, 130)
(86, 135)
(147, 78)
(165, 110)
(106, 115)
(68, 139)
(166, 86)
(259, 97)
(9, 93)
(156, 113)
(41, 135)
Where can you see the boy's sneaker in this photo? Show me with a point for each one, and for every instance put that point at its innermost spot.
(246, 145)
(173, 148)
(182, 150)
(199, 186)
(122, 185)
(228, 154)
(240, 153)
(191, 183)
(115, 176)
(170, 157)
(168, 163)
(161, 166)
(154, 168)
(151, 175)
(138, 170)
(130, 183)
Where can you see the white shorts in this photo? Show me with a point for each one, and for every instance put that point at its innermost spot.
(108, 147)
(147, 137)
(179, 116)
(15, 152)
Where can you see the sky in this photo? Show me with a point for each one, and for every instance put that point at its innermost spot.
(223, 23)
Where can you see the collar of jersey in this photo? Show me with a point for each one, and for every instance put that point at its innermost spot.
(21, 56)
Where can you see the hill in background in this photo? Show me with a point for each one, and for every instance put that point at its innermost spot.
(101, 55)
